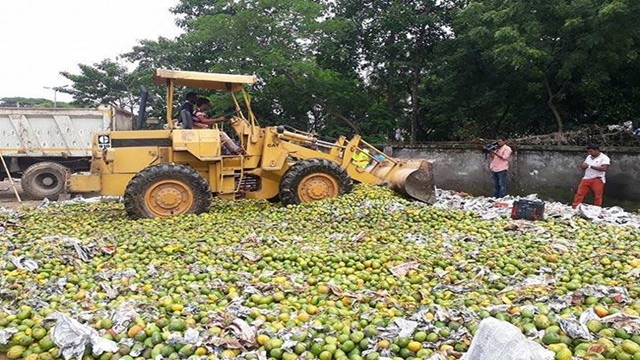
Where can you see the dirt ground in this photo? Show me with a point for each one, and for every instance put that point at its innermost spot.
(8, 197)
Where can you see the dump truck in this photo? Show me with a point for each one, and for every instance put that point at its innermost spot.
(179, 170)
(42, 145)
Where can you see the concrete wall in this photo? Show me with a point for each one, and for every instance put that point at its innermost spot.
(550, 172)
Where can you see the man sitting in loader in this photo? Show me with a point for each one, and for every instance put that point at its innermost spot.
(186, 111)
(202, 121)
(190, 101)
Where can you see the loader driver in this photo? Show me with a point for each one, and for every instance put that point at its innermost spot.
(190, 101)
(202, 121)
(185, 114)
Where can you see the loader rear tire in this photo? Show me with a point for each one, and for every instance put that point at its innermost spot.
(166, 190)
(313, 179)
(44, 180)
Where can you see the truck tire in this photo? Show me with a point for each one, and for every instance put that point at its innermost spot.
(44, 180)
(313, 179)
(166, 190)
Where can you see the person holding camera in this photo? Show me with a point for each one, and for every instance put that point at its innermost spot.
(595, 168)
(499, 167)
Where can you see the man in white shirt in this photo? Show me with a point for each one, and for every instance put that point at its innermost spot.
(595, 168)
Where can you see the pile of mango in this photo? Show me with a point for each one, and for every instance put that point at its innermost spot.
(362, 276)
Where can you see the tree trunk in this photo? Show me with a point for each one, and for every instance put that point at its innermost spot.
(552, 105)
(328, 107)
(346, 120)
(415, 106)
(391, 93)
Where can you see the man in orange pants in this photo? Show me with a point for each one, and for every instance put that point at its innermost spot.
(595, 168)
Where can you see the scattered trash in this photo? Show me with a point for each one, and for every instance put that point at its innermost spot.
(499, 340)
(79, 200)
(123, 316)
(6, 334)
(576, 329)
(399, 327)
(472, 254)
(73, 338)
(617, 293)
(191, 336)
(82, 251)
(626, 126)
(623, 321)
(242, 331)
(24, 263)
(251, 256)
(402, 269)
(489, 208)
(359, 236)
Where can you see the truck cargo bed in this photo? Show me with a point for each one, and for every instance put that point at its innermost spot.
(57, 132)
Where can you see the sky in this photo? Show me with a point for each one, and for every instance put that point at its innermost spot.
(41, 38)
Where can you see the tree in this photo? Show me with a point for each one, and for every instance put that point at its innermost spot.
(430, 69)
(106, 82)
(395, 50)
(278, 42)
(31, 102)
(556, 46)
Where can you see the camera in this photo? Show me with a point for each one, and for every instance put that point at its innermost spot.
(490, 147)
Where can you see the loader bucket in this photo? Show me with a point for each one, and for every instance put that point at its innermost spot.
(413, 178)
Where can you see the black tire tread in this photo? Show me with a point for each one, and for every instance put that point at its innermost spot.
(292, 177)
(134, 193)
(29, 176)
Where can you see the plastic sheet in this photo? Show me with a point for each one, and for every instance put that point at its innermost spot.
(499, 340)
(73, 338)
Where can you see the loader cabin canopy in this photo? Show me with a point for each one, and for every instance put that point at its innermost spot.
(226, 82)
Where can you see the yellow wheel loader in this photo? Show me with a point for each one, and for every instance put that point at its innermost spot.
(178, 171)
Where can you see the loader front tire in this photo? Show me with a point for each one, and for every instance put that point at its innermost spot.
(166, 190)
(313, 179)
(44, 180)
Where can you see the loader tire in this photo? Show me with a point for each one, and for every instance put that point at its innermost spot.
(313, 179)
(166, 190)
(44, 180)
(275, 199)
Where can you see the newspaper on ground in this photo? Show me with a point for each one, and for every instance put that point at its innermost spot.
(491, 208)
(499, 340)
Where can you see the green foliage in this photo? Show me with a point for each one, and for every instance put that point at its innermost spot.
(106, 82)
(430, 69)
(549, 56)
(31, 102)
